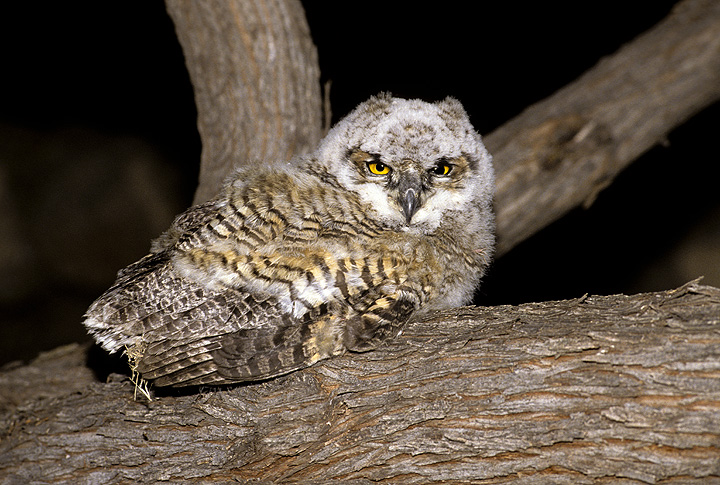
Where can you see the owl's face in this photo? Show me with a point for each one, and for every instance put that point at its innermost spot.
(415, 164)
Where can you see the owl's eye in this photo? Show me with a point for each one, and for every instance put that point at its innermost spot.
(378, 168)
(442, 169)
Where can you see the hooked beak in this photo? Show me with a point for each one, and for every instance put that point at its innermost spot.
(409, 201)
(409, 197)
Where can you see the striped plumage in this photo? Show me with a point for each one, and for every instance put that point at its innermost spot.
(297, 262)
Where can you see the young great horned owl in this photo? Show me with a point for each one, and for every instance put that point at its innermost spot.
(390, 217)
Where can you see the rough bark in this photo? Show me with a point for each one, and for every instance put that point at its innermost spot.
(256, 79)
(612, 387)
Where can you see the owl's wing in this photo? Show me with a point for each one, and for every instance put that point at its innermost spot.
(175, 330)
(285, 344)
(324, 331)
(118, 317)
(148, 300)
(235, 335)
(242, 355)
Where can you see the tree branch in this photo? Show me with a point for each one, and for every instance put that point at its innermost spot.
(256, 79)
(598, 387)
(562, 151)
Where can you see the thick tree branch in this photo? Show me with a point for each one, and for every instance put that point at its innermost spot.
(570, 391)
(562, 151)
(256, 79)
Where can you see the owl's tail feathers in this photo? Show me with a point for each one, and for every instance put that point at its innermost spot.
(244, 355)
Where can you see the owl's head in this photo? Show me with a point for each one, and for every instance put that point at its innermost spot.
(415, 164)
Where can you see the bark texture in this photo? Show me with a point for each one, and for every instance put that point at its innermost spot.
(598, 388)
(256, 79)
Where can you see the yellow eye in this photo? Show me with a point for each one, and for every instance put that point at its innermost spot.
(442, 169)
(377, 168)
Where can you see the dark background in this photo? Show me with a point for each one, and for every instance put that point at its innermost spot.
(99, 148)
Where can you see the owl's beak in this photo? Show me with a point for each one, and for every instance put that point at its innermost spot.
(409, 201)
(409, 192)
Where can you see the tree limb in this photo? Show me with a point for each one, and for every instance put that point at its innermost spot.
(256, 79)
(562, 392)
(562, 151)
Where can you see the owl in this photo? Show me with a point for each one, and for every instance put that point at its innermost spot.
(388, 219)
